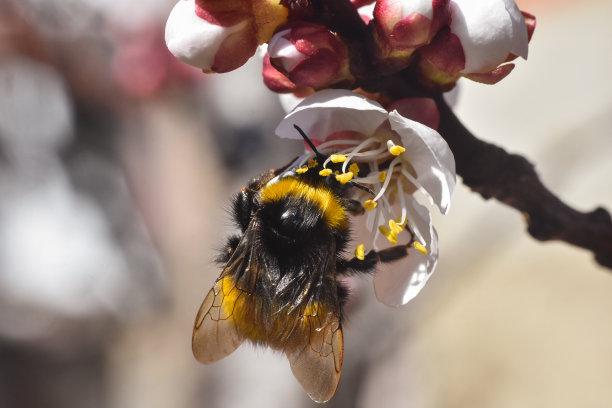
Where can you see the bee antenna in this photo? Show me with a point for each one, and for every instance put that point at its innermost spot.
(361, 187)
(307, 140)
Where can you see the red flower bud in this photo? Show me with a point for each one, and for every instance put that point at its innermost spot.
(401, 27)
(310, 55)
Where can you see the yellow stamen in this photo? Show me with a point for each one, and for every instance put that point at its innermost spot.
(382, 176)
(344, 177)
(360, 252)
(420, 247)
(369, 205)
(395, 228)
(325, 172)
(301, 170)
(354, 168)
(312, 163)
(337, 158)
(390, 235)
(396, 150)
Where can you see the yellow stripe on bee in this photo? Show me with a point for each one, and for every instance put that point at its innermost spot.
(242, 308)
(333, 211)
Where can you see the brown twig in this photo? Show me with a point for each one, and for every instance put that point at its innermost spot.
(487, 169)
(494, 173)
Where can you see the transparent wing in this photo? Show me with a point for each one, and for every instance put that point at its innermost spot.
(316, 357)
(215, 334)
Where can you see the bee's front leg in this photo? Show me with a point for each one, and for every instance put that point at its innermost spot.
(371, 259)
(228, 250)
(354, 207)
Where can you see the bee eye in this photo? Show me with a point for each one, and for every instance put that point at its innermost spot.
(290, 220)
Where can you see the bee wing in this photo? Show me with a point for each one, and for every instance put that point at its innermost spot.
(316, 350)
(316, 362)
(215, 334)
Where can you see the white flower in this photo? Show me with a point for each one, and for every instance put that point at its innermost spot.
(403, 156)
(489, 31)
(207, 45)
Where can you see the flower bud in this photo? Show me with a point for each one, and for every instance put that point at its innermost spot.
(402, 26)
(220, 35)
(361, 3)
(277, 81)
(482, 36)
(422, 110)
(310, 55)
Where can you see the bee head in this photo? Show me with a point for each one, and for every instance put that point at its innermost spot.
(291, 222)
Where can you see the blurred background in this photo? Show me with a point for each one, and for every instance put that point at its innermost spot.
(117, 164)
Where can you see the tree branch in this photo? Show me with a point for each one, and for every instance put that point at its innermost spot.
(487, 169)
(494, 173)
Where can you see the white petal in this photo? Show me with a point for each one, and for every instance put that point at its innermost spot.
(329, 111)
(520, 43)
(423, 7)
(430, 156)
(281, 47)
(485, 31)
(289, 101)
(193, 40)
(398, 283)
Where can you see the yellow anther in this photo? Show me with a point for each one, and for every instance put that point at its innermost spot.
(312, 163)
(395, 227)
(396, 150)
(420, 247)
(369, 205)
(390, 235)
(325, 172)
(360, 252)
(301, 170)
(344, 177)
(354, 168)
(382, 176)
(337, 158)
(400, 223)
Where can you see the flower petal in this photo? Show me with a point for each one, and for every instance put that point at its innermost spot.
(330, 111)
(429, 155)
(194, 40)
(399, 283)
(520, 43)
(485, 30)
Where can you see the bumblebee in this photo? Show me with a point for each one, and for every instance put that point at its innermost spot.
(280, 284)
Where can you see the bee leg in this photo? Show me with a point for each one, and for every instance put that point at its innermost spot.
(242, 208)
(354, 207)
(228, 249)
(391, 254)
(371, 259)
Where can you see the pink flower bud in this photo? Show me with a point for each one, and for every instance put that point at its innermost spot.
(402, 26)
(422, 110)
(361, 3)
(483, 35)
(310, 55)
(275, 80)
(220, 35)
